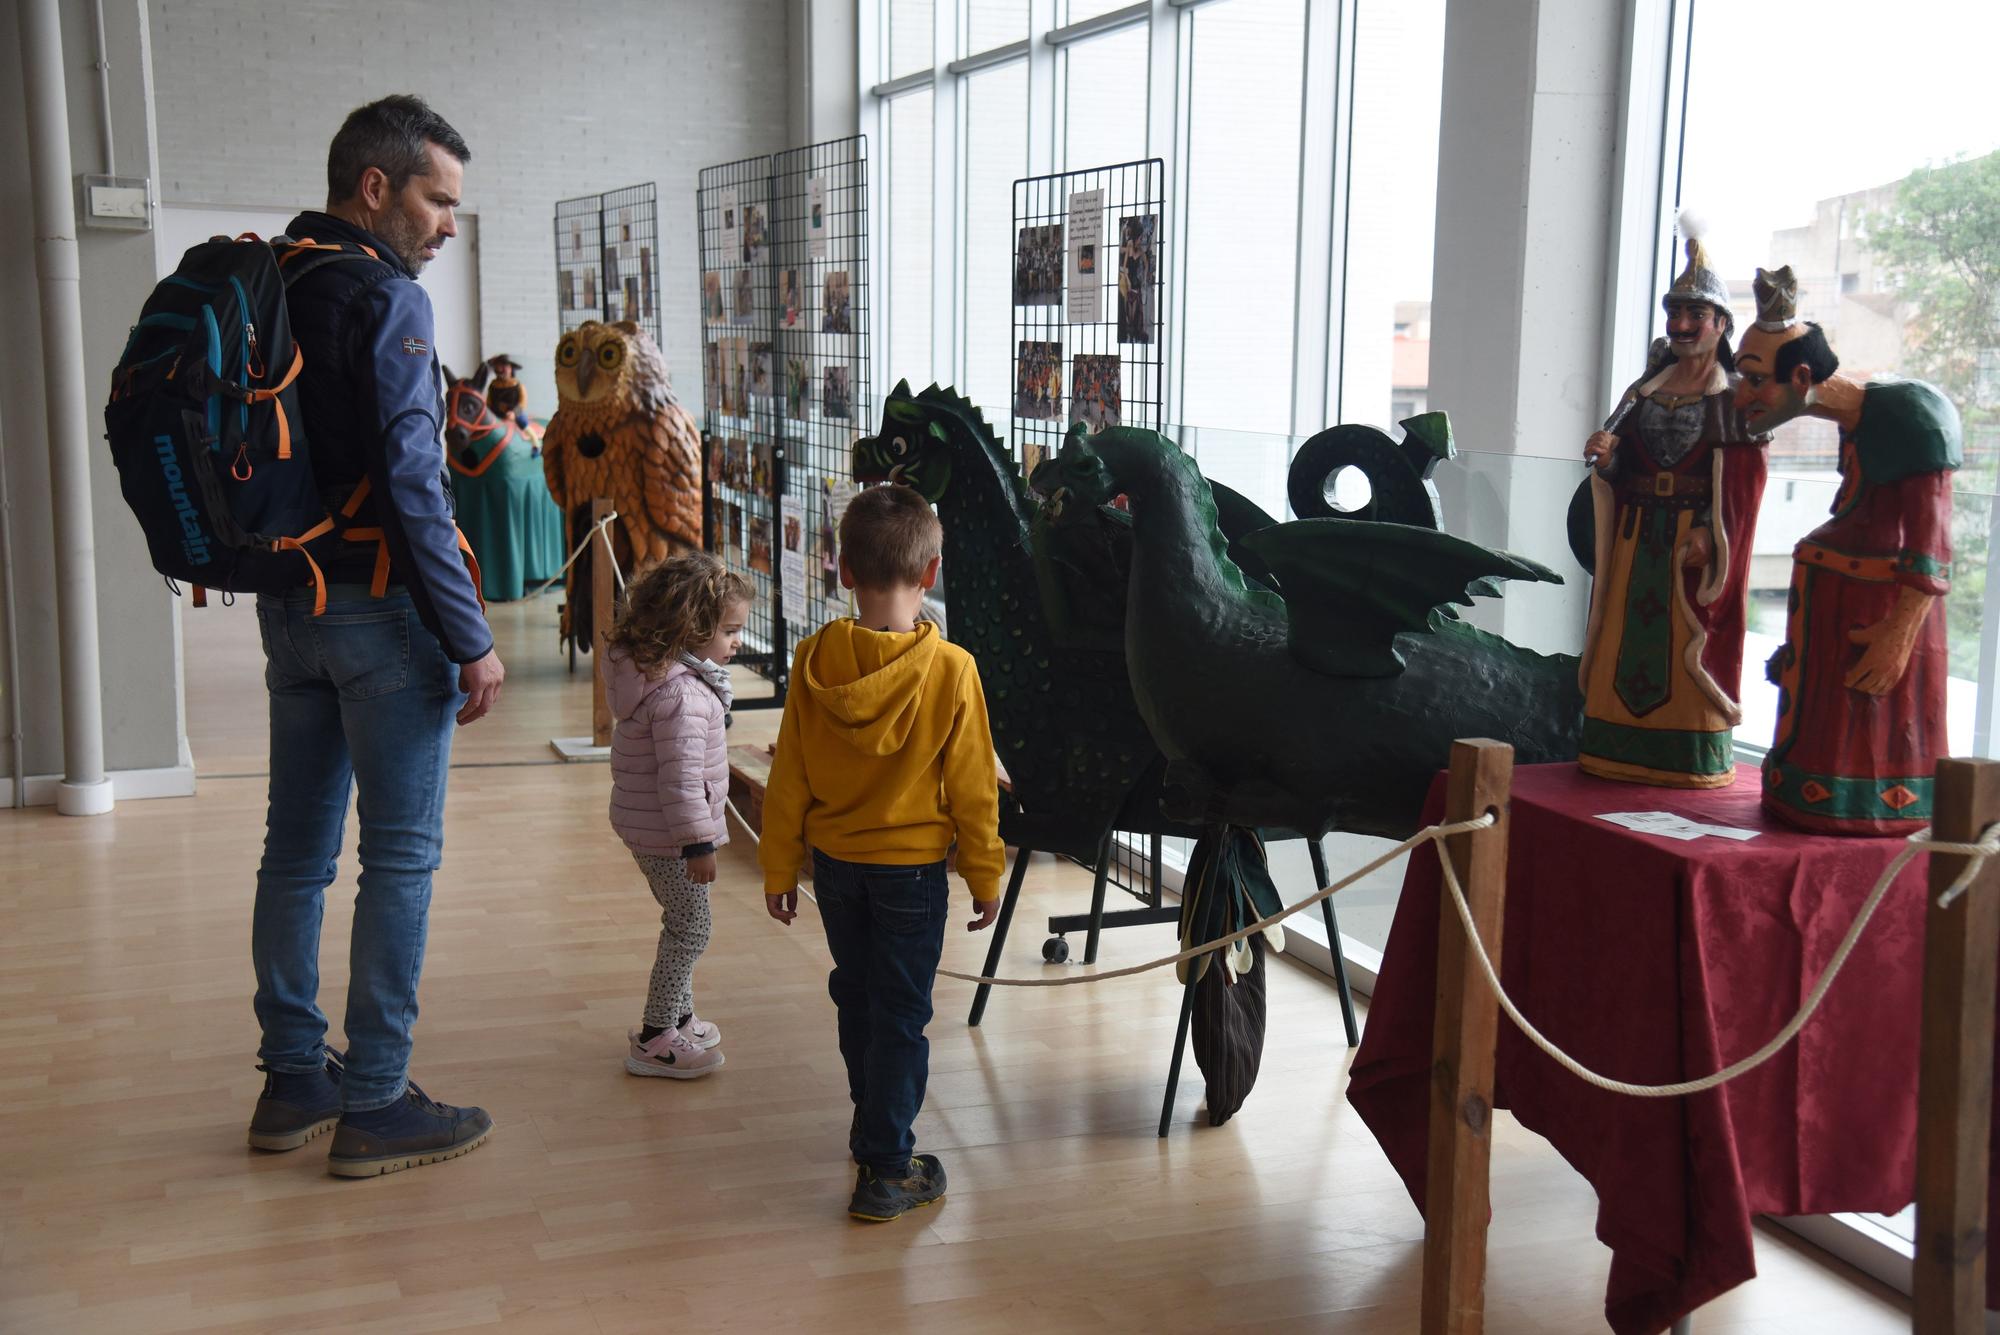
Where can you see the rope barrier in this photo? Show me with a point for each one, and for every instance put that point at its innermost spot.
(1920, 842)
(1916, 844)
(595, 529)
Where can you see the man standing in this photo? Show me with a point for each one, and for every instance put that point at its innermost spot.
(1677, 484)
(368, 692)
(1861, 676)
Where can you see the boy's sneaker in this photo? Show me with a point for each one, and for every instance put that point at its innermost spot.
(669, 1054)
(701, 1033)
(296, 1106)
(409, 1133)
(879, 1199)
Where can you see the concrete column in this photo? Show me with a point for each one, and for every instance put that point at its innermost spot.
(1528, 201)
(84, 789)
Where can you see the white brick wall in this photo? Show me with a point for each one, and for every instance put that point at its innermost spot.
(556, 100)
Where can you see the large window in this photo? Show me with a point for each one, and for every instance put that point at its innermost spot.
(907, 125)
(1888, 211)
(1246, 88)
(994, 111)
(1300, 139)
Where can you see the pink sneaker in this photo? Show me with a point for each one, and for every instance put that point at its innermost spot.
(669, 1055)
(701, 1033)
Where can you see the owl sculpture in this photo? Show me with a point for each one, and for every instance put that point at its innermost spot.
(621, 434)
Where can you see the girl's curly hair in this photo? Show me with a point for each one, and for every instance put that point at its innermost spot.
(674, 606)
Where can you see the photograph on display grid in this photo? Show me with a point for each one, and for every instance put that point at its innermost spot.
(795, 534)
(746, 296)
(760, 544)
(1038, 266)
(798, 386)
(763, 467)
(837, 313)
(1093, 391)
(711, 376)
(718, 459)
(754, 248)
(736, 465)
(829, 548)
(834, 400)
(625, 224)
(718, 519)
(576, 238)
(788, 297)
(1038, 381)
(646, 280)
(736, 530)
(589, 289)
(762, 383)
(566, 289)
(712, 309)
(632, 298)
(611, 283)
(1138, 277)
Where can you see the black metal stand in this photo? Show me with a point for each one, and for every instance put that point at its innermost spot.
(1155, 911)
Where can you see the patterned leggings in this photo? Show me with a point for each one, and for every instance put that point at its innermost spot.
(684, 923)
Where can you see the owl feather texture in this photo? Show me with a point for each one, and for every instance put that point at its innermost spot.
(620, 433)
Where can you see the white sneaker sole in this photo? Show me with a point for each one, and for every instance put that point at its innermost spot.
(634, 1066)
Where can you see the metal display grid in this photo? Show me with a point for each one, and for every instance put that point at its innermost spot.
(785, 373)
(608, 258)
(1130, 323)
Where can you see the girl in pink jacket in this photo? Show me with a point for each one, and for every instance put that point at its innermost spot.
(666, 677)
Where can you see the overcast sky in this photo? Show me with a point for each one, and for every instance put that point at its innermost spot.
(1892, 86)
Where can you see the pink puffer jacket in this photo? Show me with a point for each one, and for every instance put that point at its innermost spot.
(669, 758)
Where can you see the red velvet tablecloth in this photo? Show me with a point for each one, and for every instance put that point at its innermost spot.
(1653, 960)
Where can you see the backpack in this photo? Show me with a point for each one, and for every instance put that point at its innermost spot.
(204, 422)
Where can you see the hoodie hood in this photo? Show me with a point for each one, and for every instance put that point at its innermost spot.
(626, 688)
(871, 682)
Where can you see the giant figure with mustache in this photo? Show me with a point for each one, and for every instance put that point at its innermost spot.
(1861, 675)
(1678, 478)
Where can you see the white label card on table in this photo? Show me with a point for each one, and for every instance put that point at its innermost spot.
(1669, 826)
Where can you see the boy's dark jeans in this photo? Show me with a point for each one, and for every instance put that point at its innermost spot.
(885, 927)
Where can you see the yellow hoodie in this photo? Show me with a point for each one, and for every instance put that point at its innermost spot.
(884, 756)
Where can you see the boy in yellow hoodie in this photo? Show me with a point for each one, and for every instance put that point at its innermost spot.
(884, 758)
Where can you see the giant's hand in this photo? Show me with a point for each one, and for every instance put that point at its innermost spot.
(1889, 642)
(1597, 451)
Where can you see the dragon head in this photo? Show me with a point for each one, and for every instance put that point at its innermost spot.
(912, 447)
(1075, 478)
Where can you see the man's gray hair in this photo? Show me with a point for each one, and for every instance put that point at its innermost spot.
(393, 134)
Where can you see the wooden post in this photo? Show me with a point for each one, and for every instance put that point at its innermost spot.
(1461, 1108)
(603, 610)
(1955, 1083)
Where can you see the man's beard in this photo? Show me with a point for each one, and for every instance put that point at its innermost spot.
(408, 240)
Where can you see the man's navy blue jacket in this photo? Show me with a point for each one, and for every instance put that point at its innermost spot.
(372, 396)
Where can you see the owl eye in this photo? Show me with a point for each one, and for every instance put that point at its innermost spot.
(899, 447)
(566, 354)
(610, 355)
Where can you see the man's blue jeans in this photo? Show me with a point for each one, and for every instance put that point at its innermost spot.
(362, 695)
(885, 927)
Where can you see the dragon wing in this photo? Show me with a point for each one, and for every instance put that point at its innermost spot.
(1351, 586)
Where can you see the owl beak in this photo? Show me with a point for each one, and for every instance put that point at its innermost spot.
(586, 371)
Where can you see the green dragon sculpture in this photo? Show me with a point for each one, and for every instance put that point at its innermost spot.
(1078, 754)
(1332, 706)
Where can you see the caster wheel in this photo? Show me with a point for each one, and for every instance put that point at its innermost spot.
(1055, 950)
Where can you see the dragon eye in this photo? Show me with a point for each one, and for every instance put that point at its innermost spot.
(899, 447)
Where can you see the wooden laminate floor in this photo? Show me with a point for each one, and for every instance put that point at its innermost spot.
(604, 1203)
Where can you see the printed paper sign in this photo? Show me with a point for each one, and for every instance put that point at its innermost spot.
(1086, 256)
(792, 557)
(732, 223)
(816, 219)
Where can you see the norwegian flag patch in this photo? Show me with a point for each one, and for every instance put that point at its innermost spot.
(416, 347)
